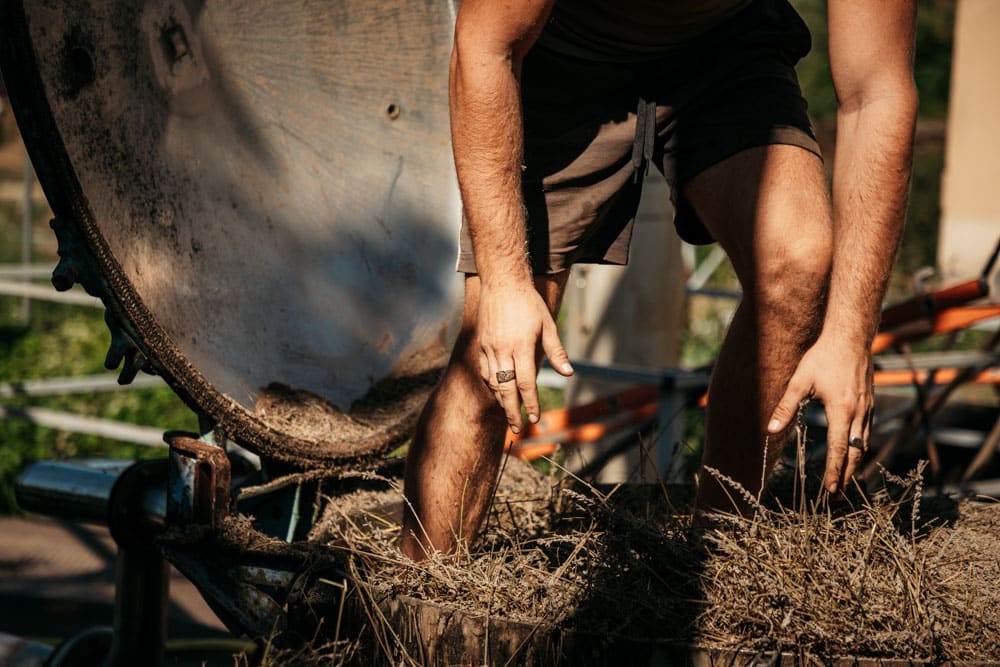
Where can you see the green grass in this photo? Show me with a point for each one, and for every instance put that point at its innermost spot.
(66, 341)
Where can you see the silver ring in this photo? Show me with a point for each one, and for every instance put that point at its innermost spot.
(857, 443)
(505, 376)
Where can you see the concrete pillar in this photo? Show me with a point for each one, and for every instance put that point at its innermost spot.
(970, 201)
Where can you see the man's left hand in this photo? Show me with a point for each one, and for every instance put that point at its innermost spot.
(840, 375)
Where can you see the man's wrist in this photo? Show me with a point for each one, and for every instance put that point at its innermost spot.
(854, 332)
(516, 274)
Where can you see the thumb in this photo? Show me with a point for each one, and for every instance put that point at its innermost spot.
(554, 350)
(788, 406)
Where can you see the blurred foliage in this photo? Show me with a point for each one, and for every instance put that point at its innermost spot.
(932, 71)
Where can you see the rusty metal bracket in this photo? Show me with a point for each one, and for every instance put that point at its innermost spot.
(199, 487)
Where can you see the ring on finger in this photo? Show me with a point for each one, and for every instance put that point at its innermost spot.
(505, 376)
(857, 443)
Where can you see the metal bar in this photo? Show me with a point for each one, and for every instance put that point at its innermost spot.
(966, 438)
(717, 292)
(78, 489)
(75, 385)
(960, 358)
(707, 267)
(675, 377)
(26, 270)
(671, 434)
(549, 378)
(11, 191)
(26, 229)
(987, 452)
(42, 293)
(142, 590)
(104, 428)
(141, 573)
(983, 487)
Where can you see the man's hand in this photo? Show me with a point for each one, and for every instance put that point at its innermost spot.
(511, 323)
(840, 374)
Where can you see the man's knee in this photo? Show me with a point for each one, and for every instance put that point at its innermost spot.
(792, 281)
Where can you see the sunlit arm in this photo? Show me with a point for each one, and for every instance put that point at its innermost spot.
(491, 39)
(871, 58)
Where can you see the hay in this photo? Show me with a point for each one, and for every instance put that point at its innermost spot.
(871, 581)
(886, 577)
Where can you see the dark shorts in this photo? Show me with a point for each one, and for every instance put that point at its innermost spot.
(734, 89)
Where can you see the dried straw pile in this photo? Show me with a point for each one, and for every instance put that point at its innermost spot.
(879, 579)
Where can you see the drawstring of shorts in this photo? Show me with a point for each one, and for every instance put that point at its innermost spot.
(645, 132)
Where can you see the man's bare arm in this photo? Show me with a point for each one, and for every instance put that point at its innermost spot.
(871, 58)
(491, 40)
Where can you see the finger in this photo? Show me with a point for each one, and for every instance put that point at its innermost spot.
(788, 406)
(856, 436)
(509, 398)
(526, 384)
(554, 350)
(869, 422)
(836, 446)
(490, 374)
(484, 370)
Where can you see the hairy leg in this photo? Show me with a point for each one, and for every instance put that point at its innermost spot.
(452, 466)
(770, 209)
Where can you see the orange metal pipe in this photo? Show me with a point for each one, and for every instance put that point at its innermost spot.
(941, 376)
(945, 321)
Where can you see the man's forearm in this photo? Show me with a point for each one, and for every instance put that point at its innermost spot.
(488, 140)
(870, 193)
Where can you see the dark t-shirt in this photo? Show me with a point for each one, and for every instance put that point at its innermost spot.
(631, 30)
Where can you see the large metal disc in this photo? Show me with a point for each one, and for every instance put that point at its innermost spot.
(267, 190)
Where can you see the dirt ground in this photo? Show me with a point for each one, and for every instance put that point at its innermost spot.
(57, 578)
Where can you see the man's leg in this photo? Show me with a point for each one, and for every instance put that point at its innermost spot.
(770, 209)
(453, 461)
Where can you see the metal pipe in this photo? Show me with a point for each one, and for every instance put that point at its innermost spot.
(664, 377)
(950, 359)
(41, 293)
(142, 589)
(78, 490)
(716, 292)
(27, 228)
(141, 573)
(25, 271)
(75, 385)
(104, 428)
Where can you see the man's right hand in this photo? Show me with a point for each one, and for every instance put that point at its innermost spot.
(512, 320)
